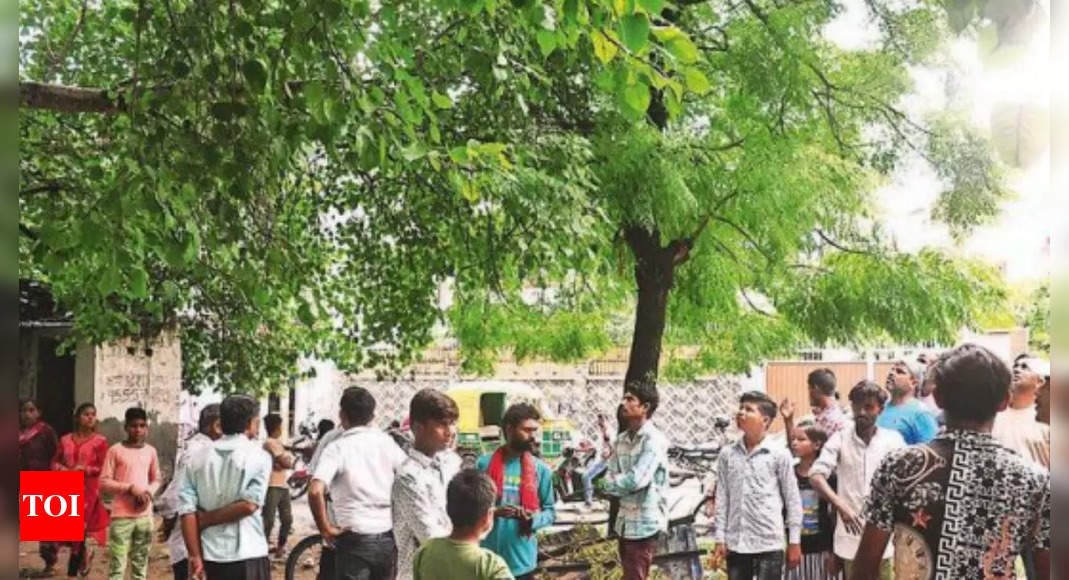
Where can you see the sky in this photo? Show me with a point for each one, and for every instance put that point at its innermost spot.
(1018, 240)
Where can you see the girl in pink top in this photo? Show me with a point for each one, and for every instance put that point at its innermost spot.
(131, 473)
(84, 450)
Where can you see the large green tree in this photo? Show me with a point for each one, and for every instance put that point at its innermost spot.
(279, 179)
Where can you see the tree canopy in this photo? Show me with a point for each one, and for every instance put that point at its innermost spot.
(304, 178)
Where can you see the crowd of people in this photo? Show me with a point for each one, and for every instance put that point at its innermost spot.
(894, 488)
(943, 473)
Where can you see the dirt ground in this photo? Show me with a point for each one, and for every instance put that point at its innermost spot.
(159, 564)
(303, 526)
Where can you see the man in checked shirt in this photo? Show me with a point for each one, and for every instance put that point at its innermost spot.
(638, 476)
(756, 485)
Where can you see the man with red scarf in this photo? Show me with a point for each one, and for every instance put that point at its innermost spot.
(525, 502)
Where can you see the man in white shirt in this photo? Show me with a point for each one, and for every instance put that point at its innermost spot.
(853, 454)
(1017, 427)
(209, 429)
(358, 467)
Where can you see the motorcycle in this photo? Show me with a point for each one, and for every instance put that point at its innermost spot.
(302, 448)
(573, 465)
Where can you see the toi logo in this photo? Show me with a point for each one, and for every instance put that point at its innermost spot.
(50, 506)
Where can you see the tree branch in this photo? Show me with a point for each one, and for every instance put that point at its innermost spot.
(841, 247)
(757, 12)
(27, 232)
(628, 52)
(68, 99)
(67, 45)
(746, 297)
(746, 235)
(47, 188)
(726, 146)
(820, 269)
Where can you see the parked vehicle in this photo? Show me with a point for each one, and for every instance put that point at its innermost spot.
(482, 405)
(573, 464)
(302, 448)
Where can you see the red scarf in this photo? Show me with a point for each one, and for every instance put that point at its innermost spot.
(528, 478)
(32, 431)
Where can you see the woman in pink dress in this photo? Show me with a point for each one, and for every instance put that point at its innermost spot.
(84, 450)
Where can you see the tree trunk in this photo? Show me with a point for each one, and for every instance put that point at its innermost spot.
(654, 270)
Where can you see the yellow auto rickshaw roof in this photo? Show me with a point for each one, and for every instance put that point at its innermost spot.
(466, 395)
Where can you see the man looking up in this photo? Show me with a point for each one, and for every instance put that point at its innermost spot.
(1017, 427)
(961, 506)
(853, 455)
(905, 413)
(827, 413)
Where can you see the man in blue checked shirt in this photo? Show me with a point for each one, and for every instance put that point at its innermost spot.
(638, 475)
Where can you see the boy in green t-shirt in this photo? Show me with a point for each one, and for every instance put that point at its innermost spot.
(470, 504)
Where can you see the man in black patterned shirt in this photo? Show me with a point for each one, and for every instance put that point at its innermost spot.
(962, 506)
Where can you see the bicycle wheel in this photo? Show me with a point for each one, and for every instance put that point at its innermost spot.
(303, 561)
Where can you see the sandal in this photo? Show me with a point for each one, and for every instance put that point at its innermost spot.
(44, 573)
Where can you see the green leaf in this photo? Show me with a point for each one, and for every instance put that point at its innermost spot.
(637, 97)
(304, 313)
(604, 48)
(683, 49)
(331, 109)
(414, 152)
(459, 155)
(191, 247)
(635, 31)
(672, 104)
(441, 101)
(492, 148)
(547, 41)
(696, 81)
(313, 94)
(260, 295)
(654, 7)
(255, 74)
(243, 28)
(170, 290)
(466, 188)
(139, 283)
(605, 80)
(109, 281)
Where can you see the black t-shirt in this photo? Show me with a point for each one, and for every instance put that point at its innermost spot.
(818, 518)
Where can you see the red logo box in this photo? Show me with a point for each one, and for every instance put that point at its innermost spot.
(52, 506)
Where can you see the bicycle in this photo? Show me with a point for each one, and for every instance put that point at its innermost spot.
(303, 560)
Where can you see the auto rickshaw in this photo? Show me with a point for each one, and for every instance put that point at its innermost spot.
(482, 405)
